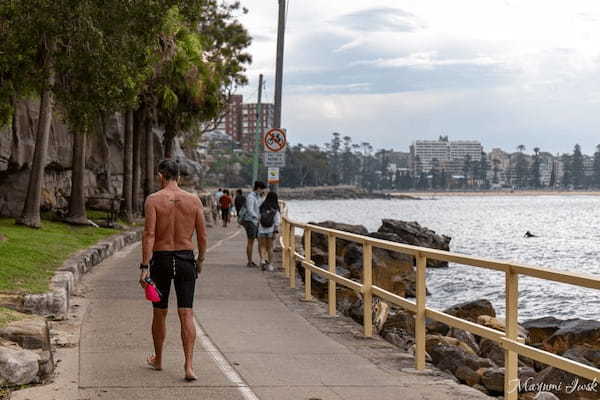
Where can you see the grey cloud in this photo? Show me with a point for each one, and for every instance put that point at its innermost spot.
(263, 38)
(384, 19)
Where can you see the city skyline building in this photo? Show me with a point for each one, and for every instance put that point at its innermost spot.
(240, 121)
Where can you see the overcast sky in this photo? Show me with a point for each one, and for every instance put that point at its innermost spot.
(505, 72)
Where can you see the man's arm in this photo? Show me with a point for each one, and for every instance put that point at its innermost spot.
(200, 233)
(149, 231)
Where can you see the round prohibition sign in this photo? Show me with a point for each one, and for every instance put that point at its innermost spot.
(275, 140)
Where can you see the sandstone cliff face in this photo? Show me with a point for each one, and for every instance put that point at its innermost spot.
(104, 167)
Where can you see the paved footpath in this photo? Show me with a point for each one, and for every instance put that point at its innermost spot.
(250, 344)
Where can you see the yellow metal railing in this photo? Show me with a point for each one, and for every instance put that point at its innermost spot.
(509, 340)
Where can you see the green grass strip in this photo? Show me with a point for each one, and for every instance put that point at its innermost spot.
(29, 257)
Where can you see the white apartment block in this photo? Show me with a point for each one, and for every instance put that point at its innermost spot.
(460, 149)
(427, 151)
(444, 152)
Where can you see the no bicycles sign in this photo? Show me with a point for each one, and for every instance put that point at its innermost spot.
(275, 140)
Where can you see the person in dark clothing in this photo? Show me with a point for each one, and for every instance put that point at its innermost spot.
(239, 201)
(225, 206)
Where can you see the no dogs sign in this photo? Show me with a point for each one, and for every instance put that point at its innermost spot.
(275, 140)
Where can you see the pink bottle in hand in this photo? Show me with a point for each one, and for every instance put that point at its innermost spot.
(152, 293)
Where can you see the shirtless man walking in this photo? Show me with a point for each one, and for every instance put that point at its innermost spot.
(172, 215)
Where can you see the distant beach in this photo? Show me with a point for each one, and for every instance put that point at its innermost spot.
(425, 195)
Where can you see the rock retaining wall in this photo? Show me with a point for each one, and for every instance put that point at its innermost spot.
(25, 351)
(56, 301)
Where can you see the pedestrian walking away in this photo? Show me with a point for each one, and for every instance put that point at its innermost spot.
(225, 203)
(172, 216)
(249, 218)
(268, 228)
(239, 201)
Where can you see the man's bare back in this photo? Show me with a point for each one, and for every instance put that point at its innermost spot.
(172, 215)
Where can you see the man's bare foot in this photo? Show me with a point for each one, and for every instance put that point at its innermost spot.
(190, 376)
(151, 360)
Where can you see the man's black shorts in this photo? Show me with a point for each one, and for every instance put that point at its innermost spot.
(251, 229)
(179, 266)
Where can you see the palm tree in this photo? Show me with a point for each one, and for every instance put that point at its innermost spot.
(521, 148)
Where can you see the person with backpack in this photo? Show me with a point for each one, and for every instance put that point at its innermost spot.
(268, 228)
(249, 216)
(225, 202)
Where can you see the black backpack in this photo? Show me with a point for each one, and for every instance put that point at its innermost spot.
(267, 217)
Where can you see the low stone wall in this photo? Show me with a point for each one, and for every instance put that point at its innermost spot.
(26, 355)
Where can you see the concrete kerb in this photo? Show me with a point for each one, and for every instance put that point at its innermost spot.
(55, 302)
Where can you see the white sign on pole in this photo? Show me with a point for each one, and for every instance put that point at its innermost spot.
(273, 176)
(275, 140)
(275, 160)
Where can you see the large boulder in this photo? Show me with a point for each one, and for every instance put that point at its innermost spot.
(400, 319)
(565, 385)
(18, 367)
(540, 329)
(392, 271)
(493, 379)
(320, 241)
(471, 310)
(573, 332)
(28, 333)
(465, 337)
(414, 234)
(467, 375)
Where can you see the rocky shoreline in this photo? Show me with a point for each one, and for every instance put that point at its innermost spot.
(335, 193)
(470, 359)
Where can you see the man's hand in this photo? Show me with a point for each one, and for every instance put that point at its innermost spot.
(143, 275)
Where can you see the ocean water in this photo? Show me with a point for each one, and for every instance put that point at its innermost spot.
(493, 227)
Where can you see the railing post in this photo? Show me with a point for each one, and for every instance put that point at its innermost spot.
(367, 295)
(511, 358)
(420, 317)
(308, 258)
(292, 259)
(331, 291)
(286, 245)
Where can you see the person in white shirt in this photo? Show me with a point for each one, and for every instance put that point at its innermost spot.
(250, 218)
(268, 228)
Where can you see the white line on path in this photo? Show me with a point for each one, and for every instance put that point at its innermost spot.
(218, 357)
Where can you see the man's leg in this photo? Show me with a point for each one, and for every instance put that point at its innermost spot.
(159, 332)
(188, 338)
(249, 249)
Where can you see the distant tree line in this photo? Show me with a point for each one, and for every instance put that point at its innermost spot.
(343, 162)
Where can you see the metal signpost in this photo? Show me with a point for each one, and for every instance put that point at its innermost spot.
(274, 141)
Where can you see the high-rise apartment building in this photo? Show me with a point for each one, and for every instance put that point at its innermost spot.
(426, 154)
(232, 122)
(241, 120)
(250, 121)
(460, 149)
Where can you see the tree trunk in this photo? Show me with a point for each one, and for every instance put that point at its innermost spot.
(127, 210)
(149, 159)
(77, 213)
(138, 136)
(30, 216)
(168, 140)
